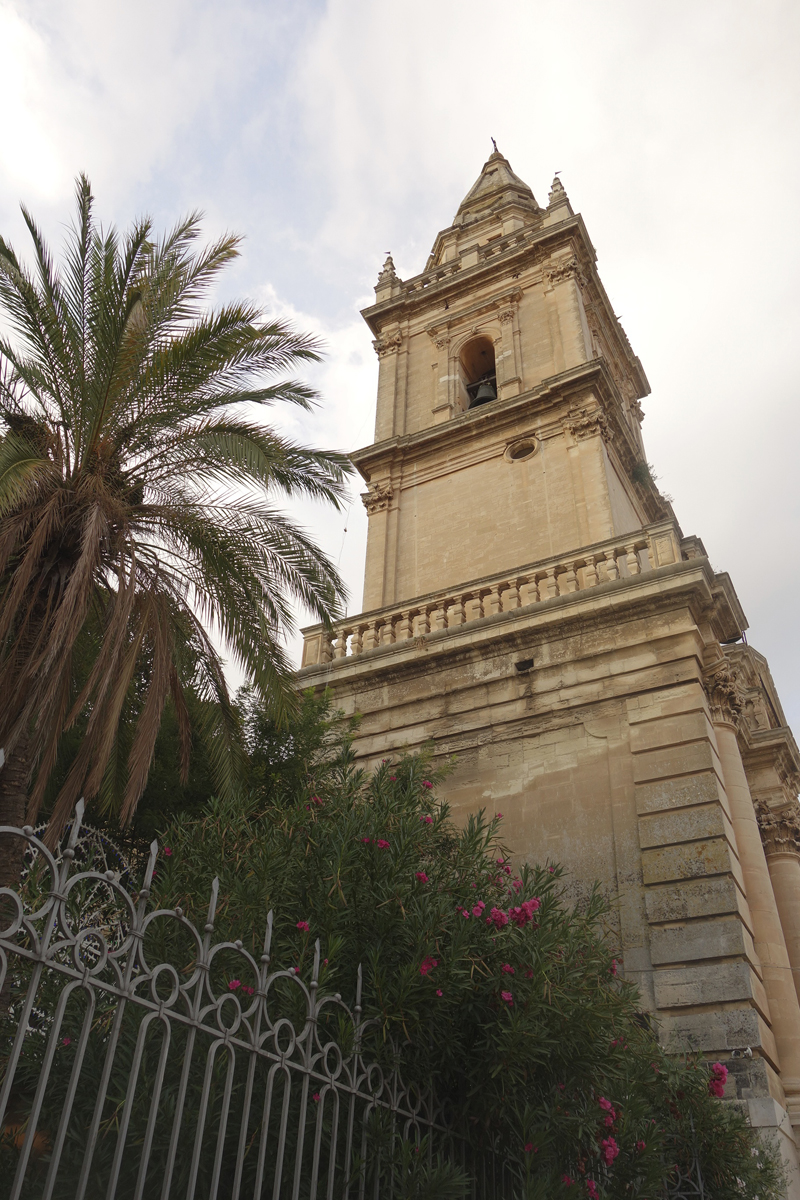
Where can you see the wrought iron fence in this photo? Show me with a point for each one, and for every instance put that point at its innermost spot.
(141, 1059)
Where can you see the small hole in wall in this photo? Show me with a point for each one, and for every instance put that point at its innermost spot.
(519, 451)
(523, 665)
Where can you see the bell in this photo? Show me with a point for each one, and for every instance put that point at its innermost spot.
(484, 394)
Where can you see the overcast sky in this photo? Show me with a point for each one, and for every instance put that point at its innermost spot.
(329, 133)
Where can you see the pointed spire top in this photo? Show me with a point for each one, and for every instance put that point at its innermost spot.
(558, 192)
(495, 183)
(387, 275)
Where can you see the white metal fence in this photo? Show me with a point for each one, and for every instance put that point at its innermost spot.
(141, 1059)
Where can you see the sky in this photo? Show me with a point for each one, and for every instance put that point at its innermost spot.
(328, 132)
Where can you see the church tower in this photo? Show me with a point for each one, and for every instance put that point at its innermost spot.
(532, 608)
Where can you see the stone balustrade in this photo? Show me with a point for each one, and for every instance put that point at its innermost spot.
(653, 547)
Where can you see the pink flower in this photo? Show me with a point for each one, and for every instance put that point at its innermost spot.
(168, 851)
(507, 969)
(499, 816)
(393, 779)
(438, 991)
(609, 1121)
(498, 918)
(303, 925)
(591, 1190)
(529, 973)
(421, 877)
(552, 870)
(382, 844)
(562, 1087)
(428, 963)
(316, 1097)
(426, 820)
(609, 1150)
(465, 913)
(324, 962)
(316, 800)
(528, 1147)
(234, 984)
(367, 840)
(516, 884)
(499, 861)
(247, 990)
(296, 970)
(608, 1107)
(426, 783)
(613, 967)
(640, 1146)
(509, 999)
(66, 1041)
(566, 1179)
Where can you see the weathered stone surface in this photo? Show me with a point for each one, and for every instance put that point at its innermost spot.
(717, 937)
(534, 611)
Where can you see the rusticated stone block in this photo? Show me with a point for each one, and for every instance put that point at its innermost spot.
(709, 857)
(715, 1031)
(688, 898)
(711, 983)
(669, 731)
(719, 938)
(686, 759)
(677, 793)
(681, 825)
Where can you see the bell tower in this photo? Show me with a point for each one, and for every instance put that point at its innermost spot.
(532, 608)
(508, 418)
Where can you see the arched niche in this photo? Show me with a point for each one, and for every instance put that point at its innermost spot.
(476, 366)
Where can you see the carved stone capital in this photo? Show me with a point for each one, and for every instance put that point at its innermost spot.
(506, 315)
(388, 345)
(377, 498)
(780, 831)
(584, 423)
(724, 693)
(559, 271)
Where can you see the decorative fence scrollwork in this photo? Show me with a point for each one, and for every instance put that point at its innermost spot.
(141, 1059)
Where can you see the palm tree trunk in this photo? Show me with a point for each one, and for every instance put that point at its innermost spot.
(14, 777)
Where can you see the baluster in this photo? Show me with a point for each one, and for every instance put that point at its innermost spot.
(492, 603)
(590, 572)
(370, 639)
(632, 559)
(568, 580)
(548, 587)
(528, 592)
(387, 632)
(455, 613)
(473, 606)
(511, 596)
(423, 622)
(340, 645)
(403, 630)
(439, 616)
(355, 643)
(610, 559)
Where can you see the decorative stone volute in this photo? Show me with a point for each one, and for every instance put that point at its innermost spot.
(780, 831)
(724, 693)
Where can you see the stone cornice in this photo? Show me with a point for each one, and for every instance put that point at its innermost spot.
(573, 387)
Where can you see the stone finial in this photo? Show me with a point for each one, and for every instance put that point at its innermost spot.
(388, 275)
(557, 193)
(724, 693)
(780, 831)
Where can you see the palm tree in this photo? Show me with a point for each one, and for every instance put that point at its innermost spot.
(137, 497)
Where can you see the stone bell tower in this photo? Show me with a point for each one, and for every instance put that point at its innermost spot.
(532, 607)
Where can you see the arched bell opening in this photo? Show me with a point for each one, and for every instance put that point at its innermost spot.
(478, 372)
